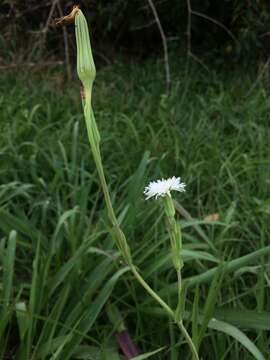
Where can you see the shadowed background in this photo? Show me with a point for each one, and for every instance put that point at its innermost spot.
(223, 31)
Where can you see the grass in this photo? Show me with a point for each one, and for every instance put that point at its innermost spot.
(59, 265)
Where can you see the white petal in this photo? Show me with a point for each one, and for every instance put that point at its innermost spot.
(163, 187)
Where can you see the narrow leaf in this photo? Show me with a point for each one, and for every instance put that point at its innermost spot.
(237, 335)
(149, 354)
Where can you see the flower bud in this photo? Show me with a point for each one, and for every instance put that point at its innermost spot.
(85, 64)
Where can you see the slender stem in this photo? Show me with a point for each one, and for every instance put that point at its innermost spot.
(189, 340)
(179, 285)
(151, 292)
(169, 311)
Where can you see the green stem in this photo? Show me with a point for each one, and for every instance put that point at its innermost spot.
(189, 340)
(152, 293)
(180, 299)
(176, 249)
(169, 311)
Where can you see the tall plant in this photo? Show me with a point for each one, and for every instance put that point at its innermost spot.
(87, 72)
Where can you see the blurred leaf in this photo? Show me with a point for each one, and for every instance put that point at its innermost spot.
(209, 306)
(7, 282)
(238, 336)
(22, 319)
(246, 319)
(149, 354)
(91, 313)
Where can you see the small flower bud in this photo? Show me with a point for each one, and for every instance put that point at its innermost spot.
(85, 64)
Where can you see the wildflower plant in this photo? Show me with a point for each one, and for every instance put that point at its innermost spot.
(86, 73)
(162, 188)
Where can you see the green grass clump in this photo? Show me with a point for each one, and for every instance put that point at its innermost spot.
(59, 266)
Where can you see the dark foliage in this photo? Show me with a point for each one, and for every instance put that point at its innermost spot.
(232, 29)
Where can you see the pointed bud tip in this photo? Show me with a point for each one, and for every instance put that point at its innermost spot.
(64, 20)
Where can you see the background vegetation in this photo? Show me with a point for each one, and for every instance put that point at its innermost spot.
(228, 30)
(59, 268)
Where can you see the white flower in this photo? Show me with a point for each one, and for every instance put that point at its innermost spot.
(163, 187)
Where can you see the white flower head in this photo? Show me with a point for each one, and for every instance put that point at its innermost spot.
(164, 187)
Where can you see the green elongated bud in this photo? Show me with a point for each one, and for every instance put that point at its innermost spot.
(86, 72)
(85, 64)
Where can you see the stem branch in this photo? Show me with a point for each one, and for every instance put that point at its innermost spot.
(151, 292)
(189, 340)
